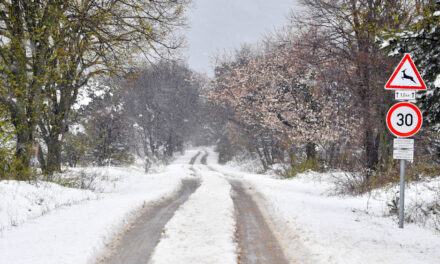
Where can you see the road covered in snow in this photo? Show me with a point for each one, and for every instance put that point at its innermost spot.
(225, 216)
(203, 229)
(137, 243)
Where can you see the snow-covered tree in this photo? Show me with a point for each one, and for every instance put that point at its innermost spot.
(422, 40)
(277, 95)
(346, 31)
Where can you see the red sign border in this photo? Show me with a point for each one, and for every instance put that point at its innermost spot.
(388, 86)
(408, 134)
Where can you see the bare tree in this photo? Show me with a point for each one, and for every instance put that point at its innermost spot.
(164, 103)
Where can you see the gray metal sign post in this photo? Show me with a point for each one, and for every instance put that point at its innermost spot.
(402, 194)
(403, 150)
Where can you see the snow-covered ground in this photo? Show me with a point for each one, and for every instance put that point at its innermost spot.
(21, 201)
(311, 221)
(339, 229)
(203, 229)
(47, 223)
(75, 225)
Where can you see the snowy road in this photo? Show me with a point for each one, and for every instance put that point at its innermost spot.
(137, 244)
(249, 233)
(234, 231)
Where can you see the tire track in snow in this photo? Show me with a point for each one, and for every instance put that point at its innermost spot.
(255, 239)
(138, 243)
(203, 159)
(193, 159)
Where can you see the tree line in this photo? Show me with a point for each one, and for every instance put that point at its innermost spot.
(311, 94)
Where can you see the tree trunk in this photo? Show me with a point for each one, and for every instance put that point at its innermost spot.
(371, 151)
(266, 153)
(40, 157)
(54, 146)
(152, 145)
(53, 160)
(23, 154)
(311, 151)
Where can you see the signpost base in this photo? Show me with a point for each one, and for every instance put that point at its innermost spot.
(402, 194)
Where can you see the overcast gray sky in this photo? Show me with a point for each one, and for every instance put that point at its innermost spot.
(219, 25)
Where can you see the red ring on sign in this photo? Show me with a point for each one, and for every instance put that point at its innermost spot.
(408, 134)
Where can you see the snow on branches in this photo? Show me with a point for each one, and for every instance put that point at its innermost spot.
(422, 39)
(279, 92)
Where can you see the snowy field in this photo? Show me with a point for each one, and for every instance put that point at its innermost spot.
(76, 227)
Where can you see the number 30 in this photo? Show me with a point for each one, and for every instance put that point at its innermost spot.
(405, 120)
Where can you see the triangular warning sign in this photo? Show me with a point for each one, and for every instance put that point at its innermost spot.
(406, 76)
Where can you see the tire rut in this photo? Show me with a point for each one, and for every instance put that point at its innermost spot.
(256, 242)
(138, 243)
(203, 160)
(193, 159)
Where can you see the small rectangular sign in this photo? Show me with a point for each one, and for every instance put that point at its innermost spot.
(403, 154)
(405, 95)
(403, 143)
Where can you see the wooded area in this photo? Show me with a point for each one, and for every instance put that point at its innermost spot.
(312, 94)
(97, 82)
(51, 49)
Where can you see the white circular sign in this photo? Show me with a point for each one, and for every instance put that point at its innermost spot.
(404, 119)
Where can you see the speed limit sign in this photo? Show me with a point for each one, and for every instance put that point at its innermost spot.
(404, 119)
